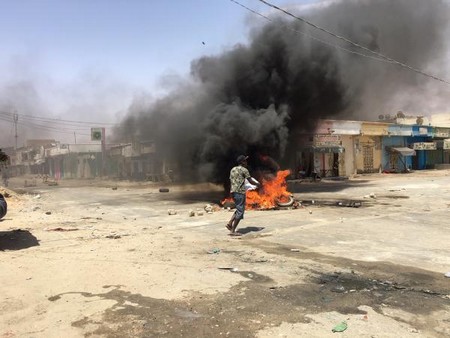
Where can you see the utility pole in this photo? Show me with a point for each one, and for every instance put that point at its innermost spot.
(75, 136)
(103, 152)
(15, 118)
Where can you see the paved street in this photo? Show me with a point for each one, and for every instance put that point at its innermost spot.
(129, 269)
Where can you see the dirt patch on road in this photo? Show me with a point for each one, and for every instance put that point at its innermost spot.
(258, 302)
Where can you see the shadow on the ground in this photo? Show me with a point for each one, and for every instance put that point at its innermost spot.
(247, 230)
(193, 196)
(297, 186)
(17, 240)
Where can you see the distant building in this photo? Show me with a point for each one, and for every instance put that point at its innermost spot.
(394, 144)
(137, 160)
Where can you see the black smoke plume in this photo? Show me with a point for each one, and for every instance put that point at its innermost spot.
(255, 98)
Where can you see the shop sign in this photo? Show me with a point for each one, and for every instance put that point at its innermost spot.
(327, 140)
(400, 131)
(442, 132)
(374, 130)
(424, 146)
(447, 144)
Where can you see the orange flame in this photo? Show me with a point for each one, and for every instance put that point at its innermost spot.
(272, 190)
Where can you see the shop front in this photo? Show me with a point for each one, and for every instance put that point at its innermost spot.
(400, 159)
(321, 158)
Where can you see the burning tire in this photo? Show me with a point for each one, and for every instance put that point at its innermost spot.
(285, 201)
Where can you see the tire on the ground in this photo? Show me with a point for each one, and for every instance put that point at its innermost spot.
(289, 203)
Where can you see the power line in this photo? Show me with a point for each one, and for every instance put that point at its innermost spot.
(34, 123)
(43, 127)
(354, 43)
(310, 36)
(57, 126)
(59, 120)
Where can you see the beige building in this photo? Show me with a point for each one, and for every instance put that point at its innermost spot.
(329, 152)
(368, 147)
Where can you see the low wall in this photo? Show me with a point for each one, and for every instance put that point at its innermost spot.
(442, 166)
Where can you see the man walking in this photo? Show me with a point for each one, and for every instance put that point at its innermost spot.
(238, 175)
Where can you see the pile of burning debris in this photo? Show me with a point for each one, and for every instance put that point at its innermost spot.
(271, 195)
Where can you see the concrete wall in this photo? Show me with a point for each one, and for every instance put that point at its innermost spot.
(347, 158)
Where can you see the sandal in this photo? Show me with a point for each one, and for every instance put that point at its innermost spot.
(235, 234)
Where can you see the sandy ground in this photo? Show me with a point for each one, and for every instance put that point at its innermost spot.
(105, 259)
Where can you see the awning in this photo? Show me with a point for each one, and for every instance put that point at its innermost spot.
(403, 151)
(324, 149)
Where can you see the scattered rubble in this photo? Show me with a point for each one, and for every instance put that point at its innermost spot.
(214, 251)
(229, 269)
(341, 327)
(113, 236)
(209, 208)
(61, 229)
(349, 204)
(172, 212)
(338, 289)
(229, 205)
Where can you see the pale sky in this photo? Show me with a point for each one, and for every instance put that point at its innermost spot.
(136, 40)
(87, 59)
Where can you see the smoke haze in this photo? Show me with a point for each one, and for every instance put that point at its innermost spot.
(255, 97)
(25, 89)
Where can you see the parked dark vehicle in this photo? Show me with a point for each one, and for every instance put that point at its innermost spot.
(3, 206)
